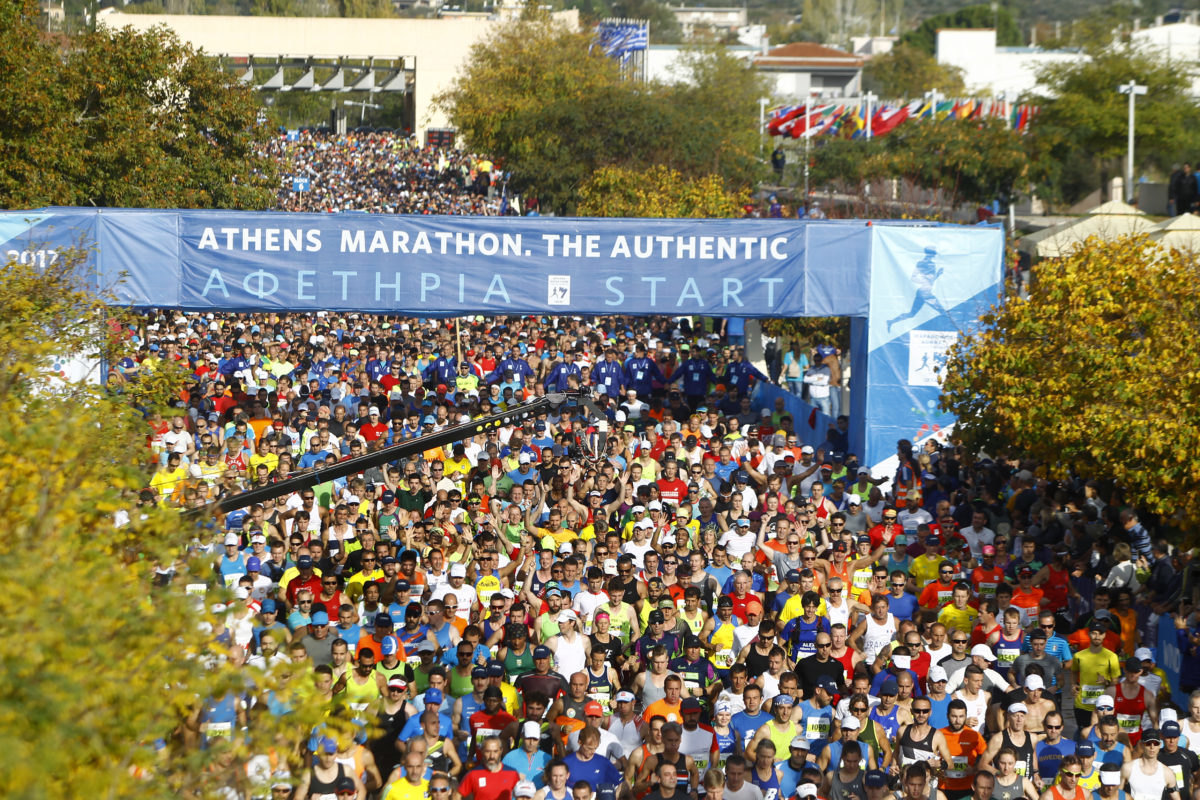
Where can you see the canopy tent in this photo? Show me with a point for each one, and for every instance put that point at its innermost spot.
(1108, 221)
(1179, 233)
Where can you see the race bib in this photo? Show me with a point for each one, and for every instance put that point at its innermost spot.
(1178, 770)
(215, 730)
(816, 728)
(1088, 694)
(1023, 769)
(958, 767)
(723, 659)
(487, 586)
(1129, 722)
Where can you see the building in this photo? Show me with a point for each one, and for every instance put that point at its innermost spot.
(434, 49)
(997, 71)
(803, 69)
(705, 22)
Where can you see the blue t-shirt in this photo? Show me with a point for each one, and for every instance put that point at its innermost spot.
(530, 769)
(1050, 756)
(746, 725)
(413, 728)
(596, 771)
(902, 607)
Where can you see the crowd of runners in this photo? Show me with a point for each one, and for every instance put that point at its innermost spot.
(709, 607)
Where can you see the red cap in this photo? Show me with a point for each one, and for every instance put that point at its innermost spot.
(441, 388)
(593, 709)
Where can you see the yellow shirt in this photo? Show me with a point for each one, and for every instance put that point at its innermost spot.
(165, 481)
(1096, 671)
(925, 571)
(462, 466)
(354, 586)
(403, 790)
(270, 459)
(955, 619)
(793, 608)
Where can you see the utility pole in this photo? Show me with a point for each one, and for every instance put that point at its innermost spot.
(807, 139)
(1133, 89)
(763, 102)
(868, 106)
(933, 96)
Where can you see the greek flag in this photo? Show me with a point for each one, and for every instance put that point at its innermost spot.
(619, 39)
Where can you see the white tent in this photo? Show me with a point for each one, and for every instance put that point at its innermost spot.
(1179, 233)
(1107, 221)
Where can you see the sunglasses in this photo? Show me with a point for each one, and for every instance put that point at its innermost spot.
(1066, 773)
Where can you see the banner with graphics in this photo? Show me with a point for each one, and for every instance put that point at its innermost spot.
(918, 283)
(926, 291)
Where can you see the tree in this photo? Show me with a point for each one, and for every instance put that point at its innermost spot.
(971, 160)
(660, 193)
(1093, 373)
(553, 109)
(122, 118)
(1082, 114)
(924, 38)
(113, 659)
(908, 72)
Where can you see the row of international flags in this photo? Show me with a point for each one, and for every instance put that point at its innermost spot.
(848, 119)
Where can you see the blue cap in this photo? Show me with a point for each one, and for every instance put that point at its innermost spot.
(1085, 749)
(784, 700)
(269, 607)
(741, 476)
(792, 575)
(401, 586)
(433, 696)
(890, 686)
(304, 561)
(479, 672)
(876, 779)
(320, 617)
(429, 420)
(254, 564)
(495, 669)
(390, 645)
(329, 745)
(541, 651)
(383, 620)
(827, 683)
(743, 522)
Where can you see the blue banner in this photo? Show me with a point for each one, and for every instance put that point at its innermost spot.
(1169, 658)
(919, 284)
(926, 291)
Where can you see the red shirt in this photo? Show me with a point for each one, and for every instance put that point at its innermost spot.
(483, 725)
(672, 492)
(297, 583)
(372, 431)
(986, 580)
(483, 784)
(884, 534)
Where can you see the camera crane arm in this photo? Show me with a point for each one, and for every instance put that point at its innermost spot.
(449, 435)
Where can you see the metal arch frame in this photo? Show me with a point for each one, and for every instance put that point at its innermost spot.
(398, 72)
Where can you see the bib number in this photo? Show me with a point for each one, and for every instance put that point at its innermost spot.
(1089, 693)
(958, 767)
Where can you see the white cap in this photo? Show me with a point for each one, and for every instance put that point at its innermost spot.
(644, 525)
(902, 661)
(565, 548)
(1018, 708)
(1110, 777)
(654, 506)
(806, 790)
(851, 723)
(258, 538)
(458, 571)
(984, 652)
(1143, 654)
(638, 510)
(507, 593)
(1034, 682)
(610, 566)
(801, 743)
(937, 673)
(232, 539)
(524, 789)
(1166, 715)
(567, 614)
(666, 538)
(373, 411)
(241, 593)
(1104, 701)
(531, 730)
(524, 458)
(628, 697)
(807, 450)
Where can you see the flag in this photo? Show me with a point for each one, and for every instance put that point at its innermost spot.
(888, 119)
(782, 116)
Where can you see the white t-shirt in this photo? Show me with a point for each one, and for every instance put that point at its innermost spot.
(738, 544)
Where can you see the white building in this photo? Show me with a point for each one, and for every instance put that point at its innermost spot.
(803, 68)
(991, 70)
(438, 48)
(716, 20)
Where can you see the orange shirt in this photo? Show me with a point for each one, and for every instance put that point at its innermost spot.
(965, 747)
(662, 708)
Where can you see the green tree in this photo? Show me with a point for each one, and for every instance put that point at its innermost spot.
(660, 193)
(971, 160)
(121, 118)
(553, 109)
(113, 662)
(924, 38)
(1093, 373)
(909, 72)
(1082, 114)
